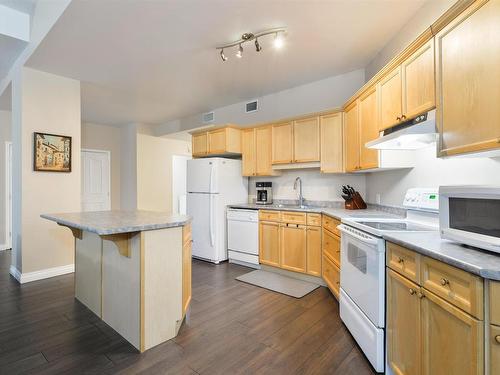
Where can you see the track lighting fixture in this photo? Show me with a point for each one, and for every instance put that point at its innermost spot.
(239, 54)
(222, 56)
(247, 37)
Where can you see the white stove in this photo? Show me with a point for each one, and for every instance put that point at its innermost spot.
(362, 275)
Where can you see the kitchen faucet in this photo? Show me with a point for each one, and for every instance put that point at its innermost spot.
(301, 197)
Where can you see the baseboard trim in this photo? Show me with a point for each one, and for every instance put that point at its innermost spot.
(42, 274)
(4, 247)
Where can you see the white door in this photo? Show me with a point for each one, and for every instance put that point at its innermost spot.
(201, 207)
(202, 175)
(96, 194)
(179, 183)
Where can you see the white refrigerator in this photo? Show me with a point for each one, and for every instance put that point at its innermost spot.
(212, 184)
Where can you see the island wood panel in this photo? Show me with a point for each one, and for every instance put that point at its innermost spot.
(161, 285)
(121, 289)
(186, 267)
(88, 262)
(332, 143)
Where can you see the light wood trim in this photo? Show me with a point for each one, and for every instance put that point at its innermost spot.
(404, 261)
(331, 247)
(293, 217)
(313, 219)
(186, 233)
(282, 143)
(209, 128)
(269, 215)
(306, 140)
(456, 286)
(495, 302)
(332, 143)
(453, 341)
(331, 275)
(77, 233)
(452, 13)
(122, 241)
(331, 224)
(472, 147)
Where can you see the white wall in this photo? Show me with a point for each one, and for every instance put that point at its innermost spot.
(316, 186)
(5, 135)
(316, 96)
(102, 137)
(43, 102)
(154, 171)
(432, 172)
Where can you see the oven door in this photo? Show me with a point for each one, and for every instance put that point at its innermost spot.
(362, 274)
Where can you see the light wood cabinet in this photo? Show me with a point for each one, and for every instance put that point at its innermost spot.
(221, 141)
(282, 143)
(186, 268)
(306, 140)
(368, 129)
(468, 81)
(332, 143)
(217, 141)
(352, 138)
(314, 251)
(403, 325)
(263, 144)
(293, 247)
(200, 144)
(331, 246)
(494, 345)
(453, 341)
(390, 103)
(331, 275)
(248, 153)
(269, 243)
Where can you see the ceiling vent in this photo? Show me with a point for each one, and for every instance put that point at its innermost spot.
(208, 117)
(251, 106)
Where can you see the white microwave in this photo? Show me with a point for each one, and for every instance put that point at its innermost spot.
(471, 215)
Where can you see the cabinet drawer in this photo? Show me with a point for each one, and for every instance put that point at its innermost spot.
(186, 233)
(456, 286)
(293, 217)
(494, 350)
(403, 261)
(331, 247)
(495, 303)
(314, 219)
(269, 215)
(331, 275)
(331, 224)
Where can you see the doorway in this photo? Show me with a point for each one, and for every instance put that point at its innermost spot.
(96, 180)
(179, 184)
(8, 197)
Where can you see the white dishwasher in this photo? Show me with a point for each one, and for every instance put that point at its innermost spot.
(243, 237)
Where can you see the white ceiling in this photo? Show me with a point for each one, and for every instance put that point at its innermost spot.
(153, 61)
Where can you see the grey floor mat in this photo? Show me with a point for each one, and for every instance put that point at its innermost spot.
(278, 283)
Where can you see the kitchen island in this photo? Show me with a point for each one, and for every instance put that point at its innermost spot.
(133, 270)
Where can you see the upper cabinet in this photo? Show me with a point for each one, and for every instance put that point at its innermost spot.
(352, 137)
(296, 141)
(468, 81)
(248, 152)
(332, 143)
(223, 141)
(368, 129)
(408, 90)
(256, 147)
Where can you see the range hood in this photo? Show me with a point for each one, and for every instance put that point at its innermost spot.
(411, 135)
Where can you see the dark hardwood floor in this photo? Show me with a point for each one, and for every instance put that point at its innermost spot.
(233, 328)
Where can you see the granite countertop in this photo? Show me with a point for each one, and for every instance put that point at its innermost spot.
(113, 222)
(335, 212)
(476, 261)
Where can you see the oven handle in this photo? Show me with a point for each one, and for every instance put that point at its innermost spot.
(345, 229)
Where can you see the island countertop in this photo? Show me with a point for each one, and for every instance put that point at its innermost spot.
(113, 222)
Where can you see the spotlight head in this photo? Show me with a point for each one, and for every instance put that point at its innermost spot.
(222, 55)
(239, 53)
(278, 41)
(258, 47)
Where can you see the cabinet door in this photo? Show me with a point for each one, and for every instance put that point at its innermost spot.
(389, 96)
(368, 129)
(331, 275)
(306, 143)
(217, 141)
(352, 138)
(269, 243)
(314, 251)
(468, 81)
(403, 325)
(200, 145)
(186, 276)
(332, 143)
(248, 152)
(418, 82)
(282, 143)
(293, 247)
(263, 146)
(494, 349)
(453, 341)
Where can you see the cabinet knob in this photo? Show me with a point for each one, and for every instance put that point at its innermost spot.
(497, 339)
(398, 118)
(403, 117)
(420, 295)
(412, 291)
(445, 282)
(401, 260)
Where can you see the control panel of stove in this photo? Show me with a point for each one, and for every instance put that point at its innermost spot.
(422, 199)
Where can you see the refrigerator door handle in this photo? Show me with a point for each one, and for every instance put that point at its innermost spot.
(210, 220)
(211, 180)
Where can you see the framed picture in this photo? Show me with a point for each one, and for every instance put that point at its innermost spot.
(52, 153)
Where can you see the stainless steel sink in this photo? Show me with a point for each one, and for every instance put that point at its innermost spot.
(293, 206)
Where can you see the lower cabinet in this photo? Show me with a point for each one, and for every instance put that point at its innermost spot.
(331, 275)
(269, 243)
(314, 251)
(293, 247)
(186, 268)
(494, 342)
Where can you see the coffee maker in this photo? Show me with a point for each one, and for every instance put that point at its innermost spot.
(264, 192)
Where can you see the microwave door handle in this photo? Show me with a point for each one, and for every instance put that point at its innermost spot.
(371, 240)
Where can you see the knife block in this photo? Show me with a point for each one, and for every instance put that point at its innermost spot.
(356, 203)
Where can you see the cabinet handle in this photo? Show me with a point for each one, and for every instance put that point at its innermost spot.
(445, 282)
(401, 260)
(497, 339)
(403, 117)
(398, 118)
(420, 295)
(412, 291)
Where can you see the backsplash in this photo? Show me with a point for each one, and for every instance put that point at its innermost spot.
(316, 186)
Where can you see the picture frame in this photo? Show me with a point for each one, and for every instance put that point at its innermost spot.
(51, 153)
